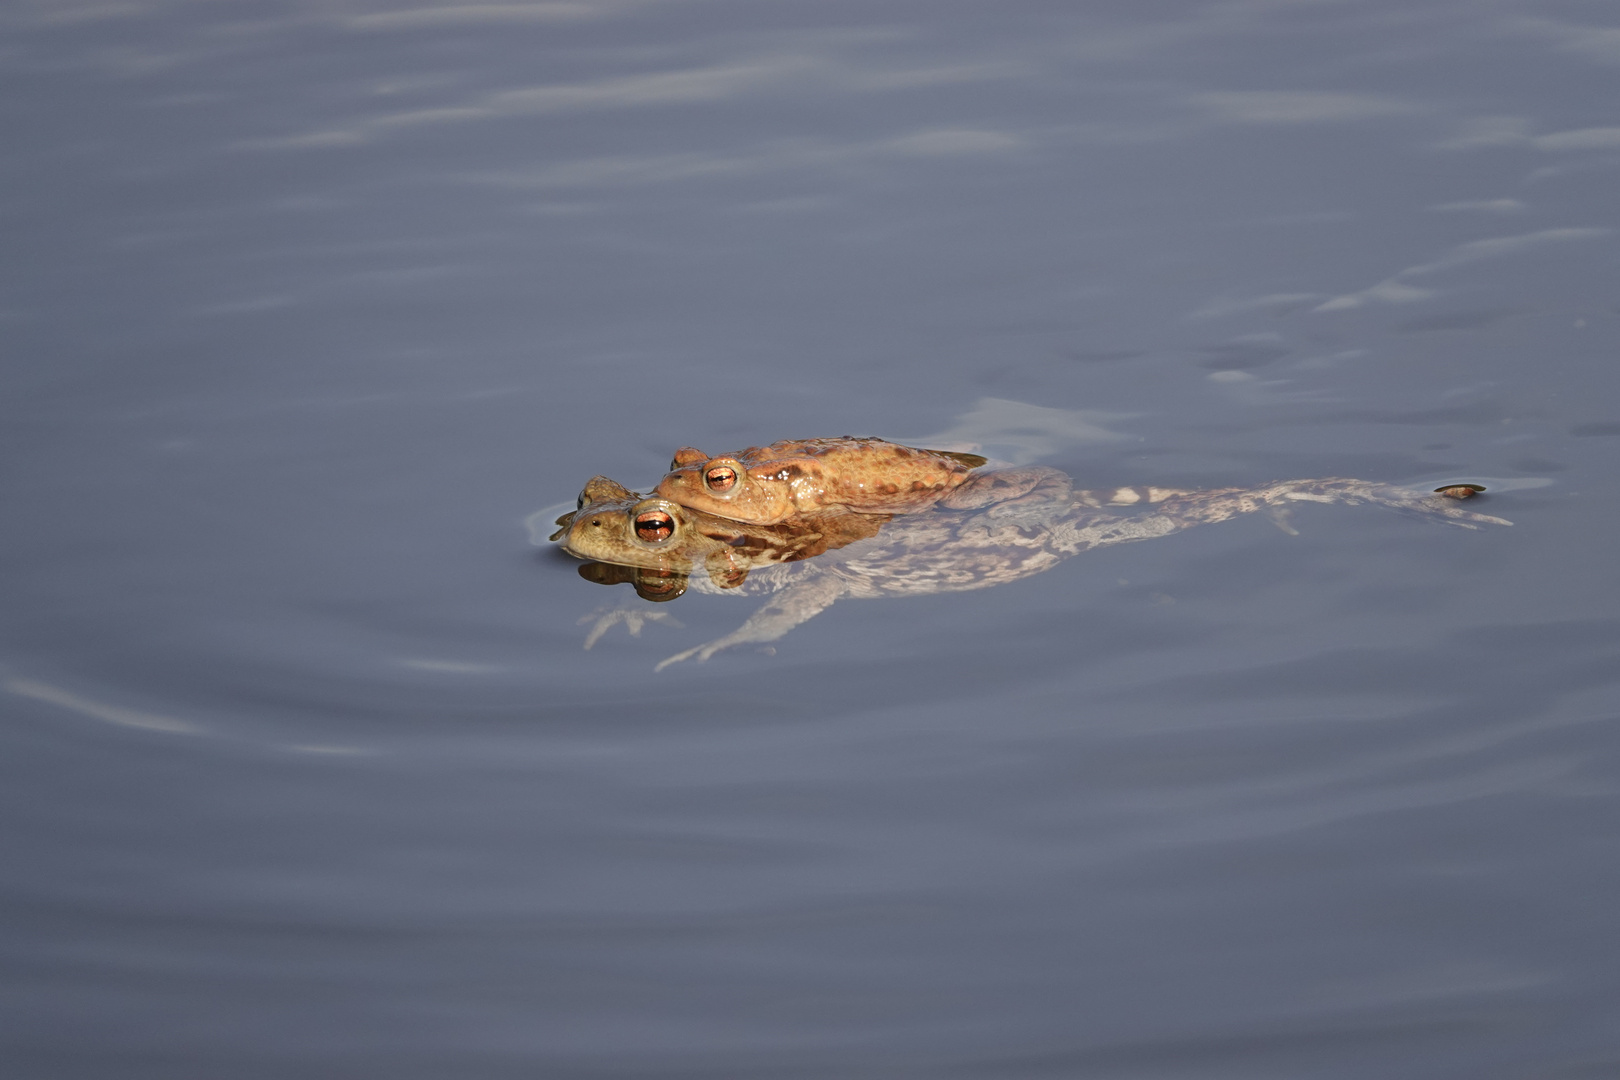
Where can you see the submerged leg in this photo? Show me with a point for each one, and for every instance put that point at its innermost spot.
(801, 601)
(1206, 507)
(1183, 510)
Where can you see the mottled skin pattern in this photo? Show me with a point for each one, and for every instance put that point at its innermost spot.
(996, 542)
(604, 528)
(769, 484)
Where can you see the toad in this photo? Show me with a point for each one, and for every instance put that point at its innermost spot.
(615, 525)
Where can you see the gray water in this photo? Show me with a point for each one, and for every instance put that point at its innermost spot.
(306, 308)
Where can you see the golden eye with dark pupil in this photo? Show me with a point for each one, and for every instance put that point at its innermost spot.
(720, 478)
(654, 526)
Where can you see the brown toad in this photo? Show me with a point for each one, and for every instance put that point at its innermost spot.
(617, 526)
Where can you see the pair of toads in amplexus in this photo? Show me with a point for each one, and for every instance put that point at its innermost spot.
(797, 498)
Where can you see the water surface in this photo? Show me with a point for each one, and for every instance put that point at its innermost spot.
(306, 309)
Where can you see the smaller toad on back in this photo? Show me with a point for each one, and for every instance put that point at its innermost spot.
(764, 485)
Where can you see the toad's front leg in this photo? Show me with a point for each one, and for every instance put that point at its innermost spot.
(806, 598)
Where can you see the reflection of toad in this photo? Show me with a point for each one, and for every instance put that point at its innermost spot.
(768, 484)
(996, 528)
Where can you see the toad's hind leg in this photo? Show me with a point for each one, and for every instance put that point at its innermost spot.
(1207, 507)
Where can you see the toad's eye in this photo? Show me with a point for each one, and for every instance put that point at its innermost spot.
(579, 503)
(654, 526)
(720, 478)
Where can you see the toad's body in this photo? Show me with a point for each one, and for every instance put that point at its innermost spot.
(765, 485)
(1011, 525)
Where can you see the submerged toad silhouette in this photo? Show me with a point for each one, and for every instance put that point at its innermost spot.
(998, 527)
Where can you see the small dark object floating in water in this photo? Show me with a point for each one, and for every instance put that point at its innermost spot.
(1460, 491)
